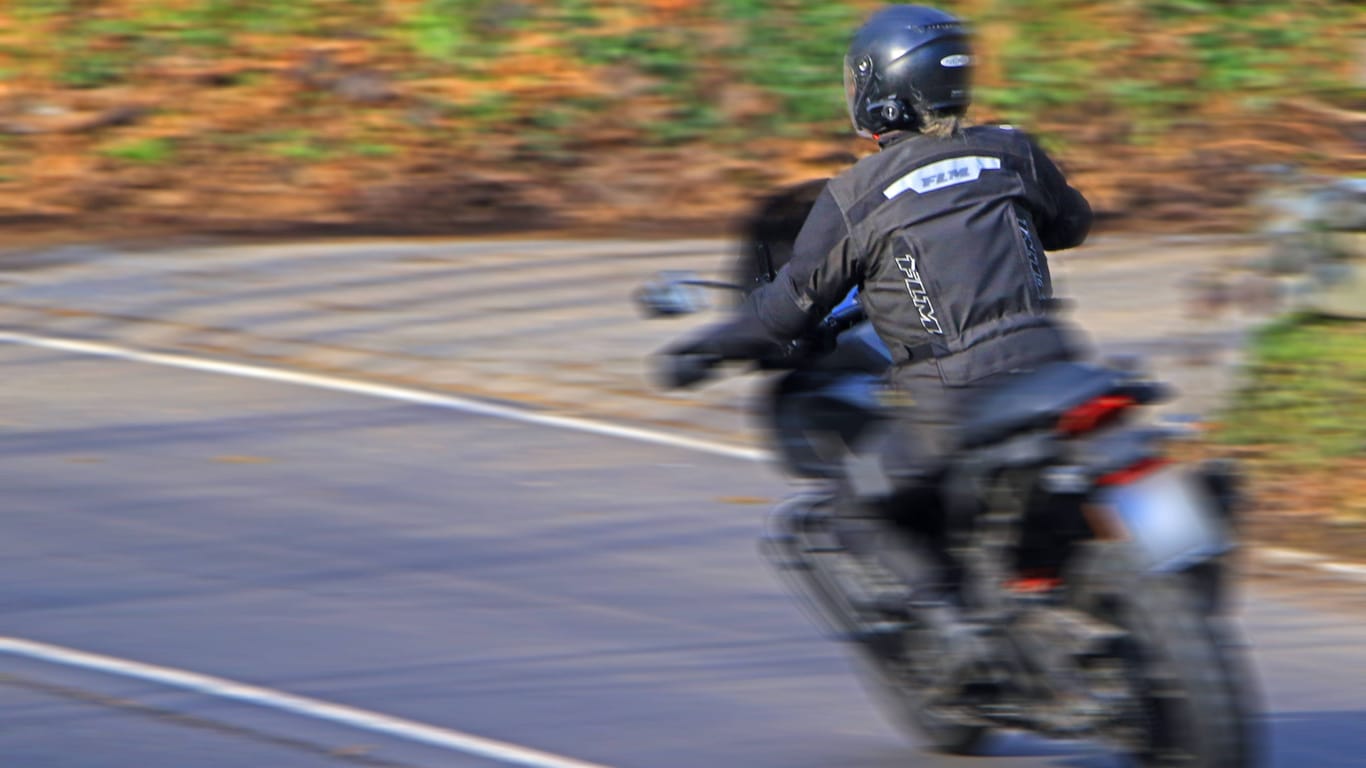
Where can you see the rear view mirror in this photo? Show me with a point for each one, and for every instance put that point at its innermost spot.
(672, 293)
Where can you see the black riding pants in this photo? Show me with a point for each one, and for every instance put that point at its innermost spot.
(894, 474)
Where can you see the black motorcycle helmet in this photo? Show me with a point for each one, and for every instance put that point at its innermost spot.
(905, 61)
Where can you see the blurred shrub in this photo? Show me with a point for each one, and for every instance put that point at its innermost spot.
(1152, 62)
(794, 50)
(749, 88)
(141, 151)
(1305, 398)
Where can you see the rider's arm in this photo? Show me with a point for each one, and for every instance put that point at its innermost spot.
(1070, 219)
(824, 268)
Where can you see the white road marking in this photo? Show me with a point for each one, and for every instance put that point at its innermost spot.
(218, 687)
(1290, 556)
(1353, 571)
(322, 710)
(387, 392)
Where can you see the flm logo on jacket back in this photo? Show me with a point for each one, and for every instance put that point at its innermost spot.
(945, 173)
(919, 295)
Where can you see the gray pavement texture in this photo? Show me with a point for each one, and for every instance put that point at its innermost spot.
(549, 324)
(590, 596)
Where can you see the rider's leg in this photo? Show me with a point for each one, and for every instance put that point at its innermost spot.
(888, 510)
(891, 502)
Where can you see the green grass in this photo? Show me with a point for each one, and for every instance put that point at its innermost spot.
(300, 146)
(373, 149)
(93, 69)
(297, 145)
(456, 31)
(229, 16)
(692, 121)
(440, 30)
(142, 151)
(1258, 52)
(1306, 395)
(795, 51)
(41, 8)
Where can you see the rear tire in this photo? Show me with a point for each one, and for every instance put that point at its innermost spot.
(1243, 689)
(1189, 688)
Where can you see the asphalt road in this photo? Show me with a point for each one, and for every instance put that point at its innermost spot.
(551, 323)
(592, 597)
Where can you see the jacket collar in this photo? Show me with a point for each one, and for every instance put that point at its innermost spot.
(895, 137)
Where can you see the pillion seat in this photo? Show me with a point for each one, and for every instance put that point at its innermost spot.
(1040, 398)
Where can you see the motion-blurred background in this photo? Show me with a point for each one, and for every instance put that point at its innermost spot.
(658, 117)
(441, 115)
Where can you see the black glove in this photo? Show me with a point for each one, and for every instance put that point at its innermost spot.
(691, 360)
(678, 371)
(742, 338)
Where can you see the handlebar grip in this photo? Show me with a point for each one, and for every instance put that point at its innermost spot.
(685, 370)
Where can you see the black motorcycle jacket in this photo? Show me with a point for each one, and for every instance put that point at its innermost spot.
(946, 239)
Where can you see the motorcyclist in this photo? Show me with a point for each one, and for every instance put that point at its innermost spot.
(943, 231)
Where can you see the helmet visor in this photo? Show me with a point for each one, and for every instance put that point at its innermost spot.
(854, 86)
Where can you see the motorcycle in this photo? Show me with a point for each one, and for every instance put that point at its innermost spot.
(1079, 584)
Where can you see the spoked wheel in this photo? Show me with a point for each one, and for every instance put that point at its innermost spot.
(1188, 701)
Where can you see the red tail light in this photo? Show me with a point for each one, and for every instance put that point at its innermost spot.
(1094, 414)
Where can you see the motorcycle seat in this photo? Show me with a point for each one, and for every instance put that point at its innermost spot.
(1037, 399)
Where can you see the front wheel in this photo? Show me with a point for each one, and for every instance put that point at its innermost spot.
(1187, 701)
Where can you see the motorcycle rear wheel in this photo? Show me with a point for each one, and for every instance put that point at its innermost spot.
(1188, 708)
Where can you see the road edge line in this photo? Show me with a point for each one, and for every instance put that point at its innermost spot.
(384, 391)
(317, 709)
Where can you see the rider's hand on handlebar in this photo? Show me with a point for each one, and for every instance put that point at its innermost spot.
(680, 370)
(690, 361)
